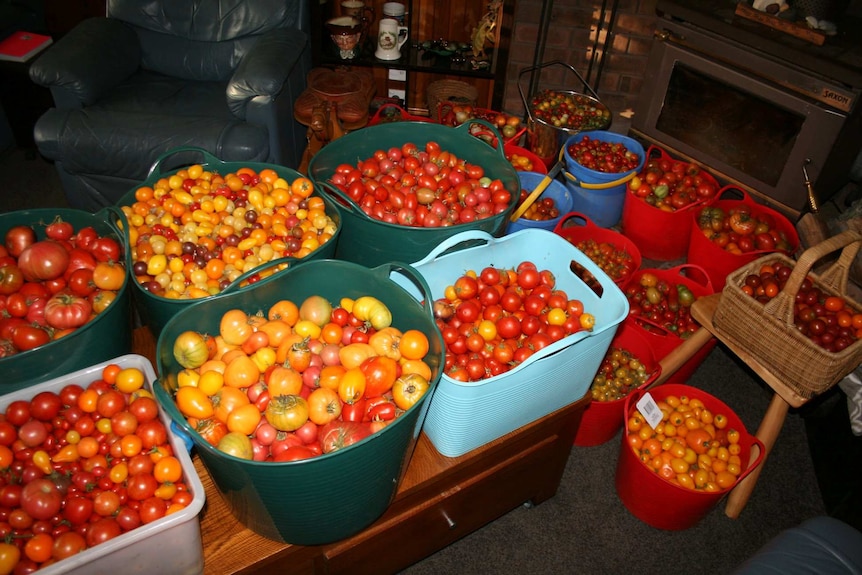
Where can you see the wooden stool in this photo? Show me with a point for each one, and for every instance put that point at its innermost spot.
(334, 103)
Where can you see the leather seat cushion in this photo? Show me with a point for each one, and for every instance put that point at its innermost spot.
(152, 93)
(137, 139)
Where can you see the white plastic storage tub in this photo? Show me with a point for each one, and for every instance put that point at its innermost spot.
(171, 544)
(466, 415)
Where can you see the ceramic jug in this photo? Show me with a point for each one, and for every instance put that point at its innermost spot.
(390, 37)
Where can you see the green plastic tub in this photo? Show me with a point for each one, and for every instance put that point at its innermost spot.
(371, 242)
(332, 496)
(155, 311)
(108, 335)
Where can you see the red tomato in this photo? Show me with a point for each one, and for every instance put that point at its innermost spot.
(41, 499)
(64, 311)
(27, 337)
(11, 279)
(19, 238)
(44, 260)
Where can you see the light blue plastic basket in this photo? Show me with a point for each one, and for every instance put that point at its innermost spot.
(465, 415)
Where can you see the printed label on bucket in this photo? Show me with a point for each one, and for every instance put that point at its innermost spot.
(650, 410)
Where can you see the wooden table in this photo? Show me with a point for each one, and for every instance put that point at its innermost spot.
(439, 500)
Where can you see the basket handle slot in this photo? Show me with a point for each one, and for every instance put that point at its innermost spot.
(387, 270)
(587, 277)
(835, 276)
(463, 240)
(578, 220)
(184, 151)
(695, 273)
(738, 194)
(237, 283)
(116, 218)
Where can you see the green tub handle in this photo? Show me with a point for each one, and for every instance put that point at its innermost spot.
(385, 271)
(110, 215)
(343, 201)
(500, 142)
(156, 169)
(469, 237)
(235, 284)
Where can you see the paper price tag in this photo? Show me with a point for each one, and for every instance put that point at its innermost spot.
(650, 410)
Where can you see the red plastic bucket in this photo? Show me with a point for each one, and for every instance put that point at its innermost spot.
(655, 500)
(576, 227)
(602, 420)
(658, 234)
(718, 262)
(536, 164)
(662, 340)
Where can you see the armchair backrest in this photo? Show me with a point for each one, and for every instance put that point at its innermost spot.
(204, 39)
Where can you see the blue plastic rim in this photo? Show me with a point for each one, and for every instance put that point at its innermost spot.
(580, 174)
(556, 190)
(603, 203)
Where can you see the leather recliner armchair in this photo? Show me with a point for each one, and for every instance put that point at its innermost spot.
(157, 75)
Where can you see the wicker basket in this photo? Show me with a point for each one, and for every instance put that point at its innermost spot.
(449, 90)
(767, 330)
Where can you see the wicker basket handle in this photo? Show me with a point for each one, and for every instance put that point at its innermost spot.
(849, 242)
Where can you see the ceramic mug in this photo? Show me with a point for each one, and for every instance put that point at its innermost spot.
(394, 10)
(345, 32)
(390, 37)
(357, 9)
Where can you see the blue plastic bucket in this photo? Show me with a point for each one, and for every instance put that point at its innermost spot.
(599, 195)
(556, 190)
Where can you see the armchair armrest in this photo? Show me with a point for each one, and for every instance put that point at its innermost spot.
(94, 56)
(264, 70)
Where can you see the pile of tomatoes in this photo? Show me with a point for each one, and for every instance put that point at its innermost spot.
(691, 446)
(195, 232)
(299, 380)
(494, 320)
(428, 187)
(828, 320)
(520, 161)
(456, 114)
(742, 229)
(80, 465)
(53, 286)
(656, 303)
(542, 209)
(603, 156)
(614, 261)
(570, 111)
(671, 185)
(620, 372)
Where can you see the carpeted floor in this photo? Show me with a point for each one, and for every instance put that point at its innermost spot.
(585, 528)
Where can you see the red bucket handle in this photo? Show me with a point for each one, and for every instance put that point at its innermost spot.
(746, 199)
(587, 224)
(702, 280)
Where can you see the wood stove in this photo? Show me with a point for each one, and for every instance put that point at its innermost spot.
(758, 107)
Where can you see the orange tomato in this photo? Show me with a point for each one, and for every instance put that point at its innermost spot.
(235, 327)
(413, 344)
(323, 405)
(241, 372)
(244, 419)
(192, 402)
(226, 400)
(168, 468)
(109, 275)
(284, 380)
